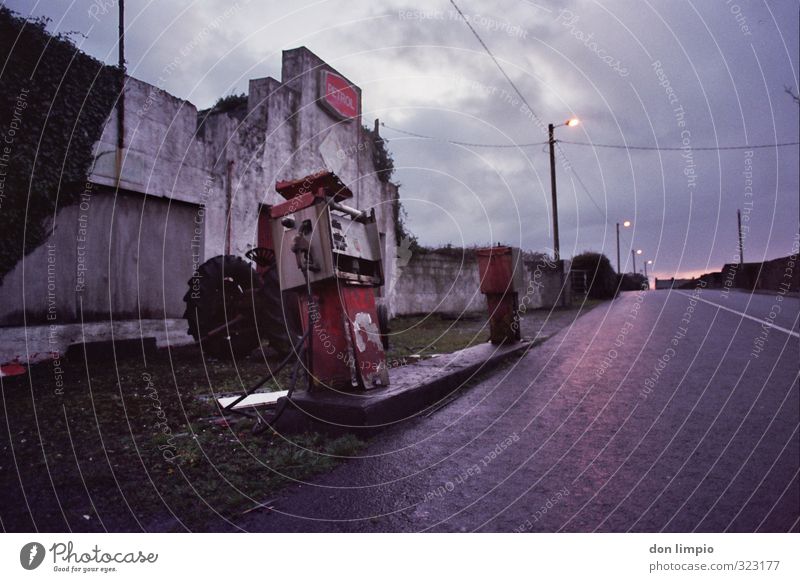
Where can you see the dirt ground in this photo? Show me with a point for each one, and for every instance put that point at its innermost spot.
(138, 443)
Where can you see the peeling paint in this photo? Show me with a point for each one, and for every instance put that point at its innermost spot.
(363, 322)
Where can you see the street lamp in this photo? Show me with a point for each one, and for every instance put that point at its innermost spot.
(645, 270)
(633, 254)
(572, 122)
(626, 224)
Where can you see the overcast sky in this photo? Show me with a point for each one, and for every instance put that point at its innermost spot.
(642, 73)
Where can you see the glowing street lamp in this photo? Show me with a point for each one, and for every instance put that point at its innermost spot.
(633, 254)
(626, 224)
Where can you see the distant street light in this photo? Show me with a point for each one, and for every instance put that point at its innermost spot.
(626, 224)
(633, 254)
(645, 270)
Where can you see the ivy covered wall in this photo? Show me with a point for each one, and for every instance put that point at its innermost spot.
(54, 101)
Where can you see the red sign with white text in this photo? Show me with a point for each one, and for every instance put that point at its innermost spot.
(338, 96)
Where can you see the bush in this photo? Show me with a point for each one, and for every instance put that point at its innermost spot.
(633, 282)
(602, 280)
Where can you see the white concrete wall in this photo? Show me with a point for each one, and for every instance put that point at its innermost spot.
(439, 283)
(285, 135)
(449, 282)
(235, 159)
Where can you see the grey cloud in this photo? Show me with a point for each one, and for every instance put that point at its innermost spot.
(563, 65)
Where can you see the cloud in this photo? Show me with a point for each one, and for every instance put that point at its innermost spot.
(422, 70)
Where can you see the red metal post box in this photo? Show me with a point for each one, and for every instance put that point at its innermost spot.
(501, 280)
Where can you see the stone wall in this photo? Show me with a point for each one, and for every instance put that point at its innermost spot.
(448, 282)
(438, 283)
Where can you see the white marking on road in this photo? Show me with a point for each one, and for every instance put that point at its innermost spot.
(756, 319)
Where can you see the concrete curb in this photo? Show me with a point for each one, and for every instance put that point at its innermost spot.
(414, 389)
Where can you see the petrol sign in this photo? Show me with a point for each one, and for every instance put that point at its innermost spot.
(337, 95)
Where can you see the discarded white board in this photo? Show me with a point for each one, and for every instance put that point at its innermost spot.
(254, 400)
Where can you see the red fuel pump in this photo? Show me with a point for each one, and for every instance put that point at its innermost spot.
(329, 253)
(501, 273)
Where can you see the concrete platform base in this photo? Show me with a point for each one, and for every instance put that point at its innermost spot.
(413, 390)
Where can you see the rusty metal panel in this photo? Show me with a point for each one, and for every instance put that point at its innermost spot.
(346, 349)
(500, 269)
(495, 268)
(501, 276)
(503, 318)
(293, 205)
(370, 359)
(332, 362)
(325, 181)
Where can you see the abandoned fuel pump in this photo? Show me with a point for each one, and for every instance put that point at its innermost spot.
(329, 254)
(501, 273)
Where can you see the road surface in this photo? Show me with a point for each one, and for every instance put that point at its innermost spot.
(667, 411)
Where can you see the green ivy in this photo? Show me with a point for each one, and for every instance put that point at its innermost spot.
(54, 101)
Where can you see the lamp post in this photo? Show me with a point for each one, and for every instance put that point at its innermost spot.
(551, 140)
(626, 224)
(633, 254)
(645, 271)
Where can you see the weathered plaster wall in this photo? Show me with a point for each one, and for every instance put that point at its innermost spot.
(177, 182)
(122, 255)
(284, 135)
(439, 283)
(444, 282)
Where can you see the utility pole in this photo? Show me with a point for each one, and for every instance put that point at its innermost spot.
(121, 35)
(556, 245)
(121, 96)
(741, 242)
(552, 141)
(633, 254)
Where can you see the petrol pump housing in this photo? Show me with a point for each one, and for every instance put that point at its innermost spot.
(329, 253)
(501, 280)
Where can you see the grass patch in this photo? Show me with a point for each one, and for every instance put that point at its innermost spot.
(426, 335)
(149, 444)
(433, 334)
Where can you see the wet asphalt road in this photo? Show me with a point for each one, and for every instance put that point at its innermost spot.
(656, 412)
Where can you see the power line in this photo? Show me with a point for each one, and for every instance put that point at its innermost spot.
(464, 143)
(680, 149)
(585, 189)
(471, 144)
(597, 145)
(542, 125)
